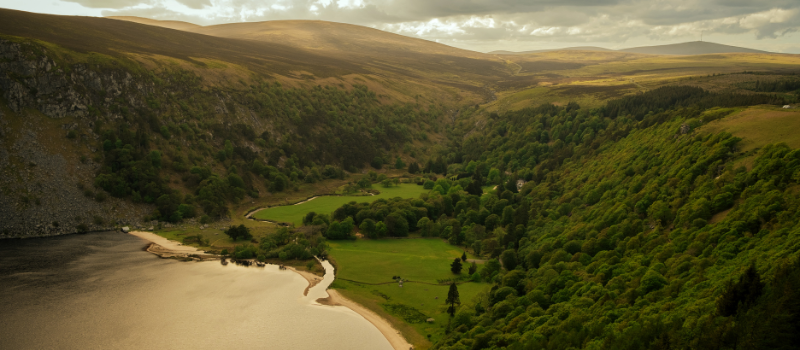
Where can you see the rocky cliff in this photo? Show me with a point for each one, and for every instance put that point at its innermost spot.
(49, 149)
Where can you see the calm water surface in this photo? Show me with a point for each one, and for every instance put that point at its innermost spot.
(101, 291)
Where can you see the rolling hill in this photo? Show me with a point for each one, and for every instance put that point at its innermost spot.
(576, 48)
(685, 49)
(690, 48)
(373, 50)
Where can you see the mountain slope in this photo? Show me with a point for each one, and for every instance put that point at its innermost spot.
(182, 124)
(373, 50)
(178, 25)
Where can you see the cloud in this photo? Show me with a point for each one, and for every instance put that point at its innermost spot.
(113, 4)
(195, 4)
(479, 23)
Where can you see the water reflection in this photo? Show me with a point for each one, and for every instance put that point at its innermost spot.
(102, 291)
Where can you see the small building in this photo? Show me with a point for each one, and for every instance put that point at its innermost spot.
(126, 229)
(787, 107)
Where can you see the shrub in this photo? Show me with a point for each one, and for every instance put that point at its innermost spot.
(239, 232)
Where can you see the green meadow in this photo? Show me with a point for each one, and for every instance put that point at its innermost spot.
(423, 260)
(376, 261)
(327, 204)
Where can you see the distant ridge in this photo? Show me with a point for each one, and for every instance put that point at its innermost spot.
(682, 49)
(690, 48)
(178, 25)
(576, 48)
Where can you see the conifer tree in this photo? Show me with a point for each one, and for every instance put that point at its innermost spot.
(452, 299)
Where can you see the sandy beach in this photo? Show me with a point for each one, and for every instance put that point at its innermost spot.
(394, 337)
(166, 248)
(312, 279)
(170, 249)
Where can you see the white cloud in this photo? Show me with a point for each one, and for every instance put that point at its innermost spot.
(487, 24)
(757, 20)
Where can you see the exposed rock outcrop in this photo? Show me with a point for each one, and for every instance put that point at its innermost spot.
(40, 180)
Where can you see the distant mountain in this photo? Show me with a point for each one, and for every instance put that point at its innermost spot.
(690, 48)
(577, 48)
(178, 25)
(332, 38)
(687, 49)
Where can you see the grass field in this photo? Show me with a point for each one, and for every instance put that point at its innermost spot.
(327, 204)
(760, 126)
(376, 261)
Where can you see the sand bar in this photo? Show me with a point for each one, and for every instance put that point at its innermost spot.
(166, 244)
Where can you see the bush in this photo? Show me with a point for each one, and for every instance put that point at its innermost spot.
(407, 313)
(377, 163)
(239, 232)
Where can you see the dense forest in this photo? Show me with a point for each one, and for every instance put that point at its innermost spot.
(617, 227)
(311, 135)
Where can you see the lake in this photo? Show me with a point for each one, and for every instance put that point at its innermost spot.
(102, 291)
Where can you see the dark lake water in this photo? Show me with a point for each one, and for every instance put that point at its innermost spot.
(101, 291)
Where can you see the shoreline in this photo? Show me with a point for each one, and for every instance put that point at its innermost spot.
(392, 335)
(312, 279)
(165, 248)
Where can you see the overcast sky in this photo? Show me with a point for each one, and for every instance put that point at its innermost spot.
(486, 25)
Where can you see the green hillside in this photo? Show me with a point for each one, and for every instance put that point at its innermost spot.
(633, 229)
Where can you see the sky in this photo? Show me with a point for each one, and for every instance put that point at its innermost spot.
(487, 25)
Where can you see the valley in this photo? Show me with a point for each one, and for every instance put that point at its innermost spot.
(642, 198)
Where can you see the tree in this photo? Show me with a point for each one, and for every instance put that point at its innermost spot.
(368, 228)
(396, 225)
(341, 230)
(399, 164)
(364, 182)
(377, 163)
(475, 186)
(464, 256)
(239, 232)
(452, 299)
(509, 259)
(473, 268)
(456, 267)
(742, 294)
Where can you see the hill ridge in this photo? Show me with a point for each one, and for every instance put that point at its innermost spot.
(688, 48)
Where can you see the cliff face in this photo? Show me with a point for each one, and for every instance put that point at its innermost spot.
(48, 144)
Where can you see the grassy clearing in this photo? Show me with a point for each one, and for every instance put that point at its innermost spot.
(327, 204)
(376, 261)
(216, 237)
(421, 297)
(760, 126)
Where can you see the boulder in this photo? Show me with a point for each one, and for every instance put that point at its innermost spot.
(126, 229)
(430, 320)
